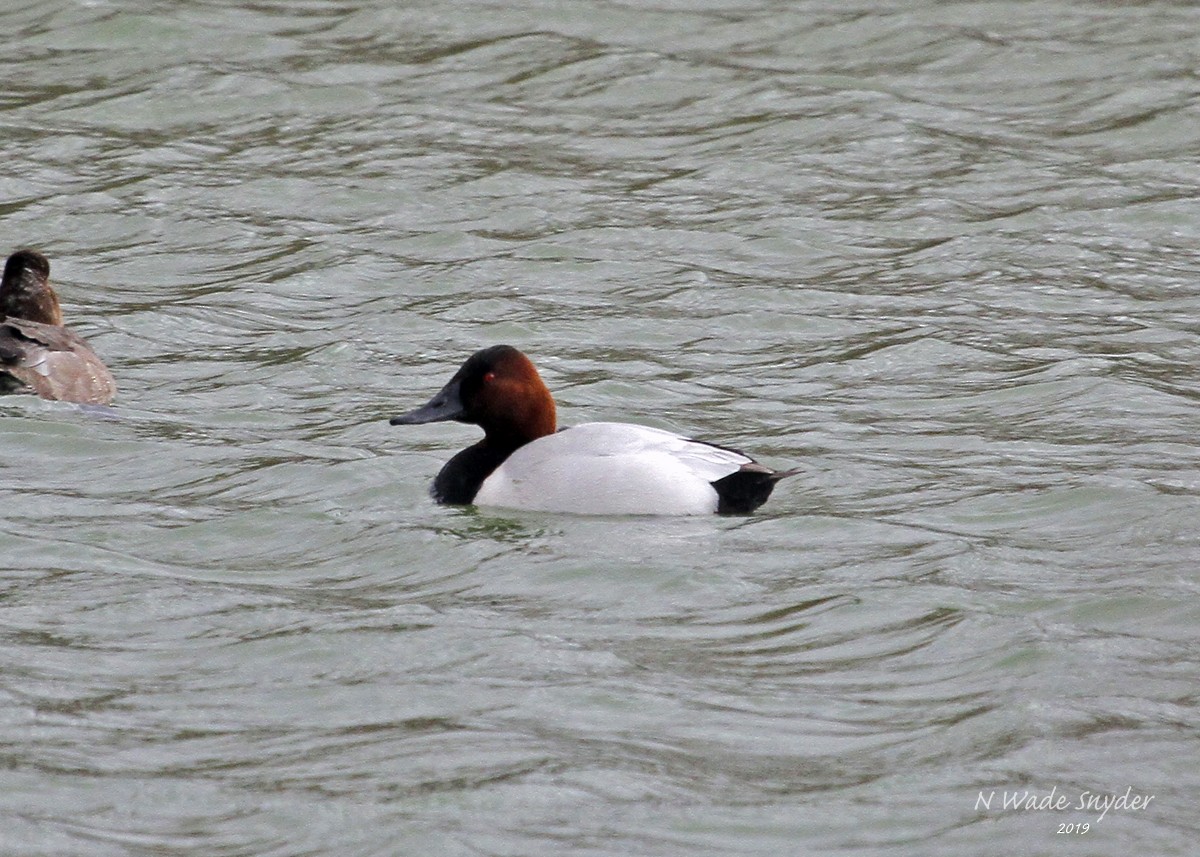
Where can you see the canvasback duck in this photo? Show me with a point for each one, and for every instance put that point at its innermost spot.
(37, 354)
(593, 468)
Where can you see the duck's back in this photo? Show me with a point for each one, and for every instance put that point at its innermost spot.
(52, 361)
(615, 469)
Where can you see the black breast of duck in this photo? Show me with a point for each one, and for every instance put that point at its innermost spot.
(37, 353)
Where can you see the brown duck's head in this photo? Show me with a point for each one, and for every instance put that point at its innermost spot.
(498, 389)
(25, 291)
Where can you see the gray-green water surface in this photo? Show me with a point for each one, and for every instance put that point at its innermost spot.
(941, 256)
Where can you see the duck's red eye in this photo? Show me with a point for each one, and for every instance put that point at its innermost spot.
(489, 376)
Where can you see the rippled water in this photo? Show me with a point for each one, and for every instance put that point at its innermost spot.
(943, 256)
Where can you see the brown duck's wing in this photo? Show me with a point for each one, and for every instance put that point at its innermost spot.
(54, 362)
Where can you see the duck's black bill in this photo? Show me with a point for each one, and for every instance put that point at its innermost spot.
(446, 405)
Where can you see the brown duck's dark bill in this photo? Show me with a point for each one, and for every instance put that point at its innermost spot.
(446, 405)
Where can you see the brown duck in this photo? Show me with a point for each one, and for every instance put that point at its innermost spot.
(37, 353)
